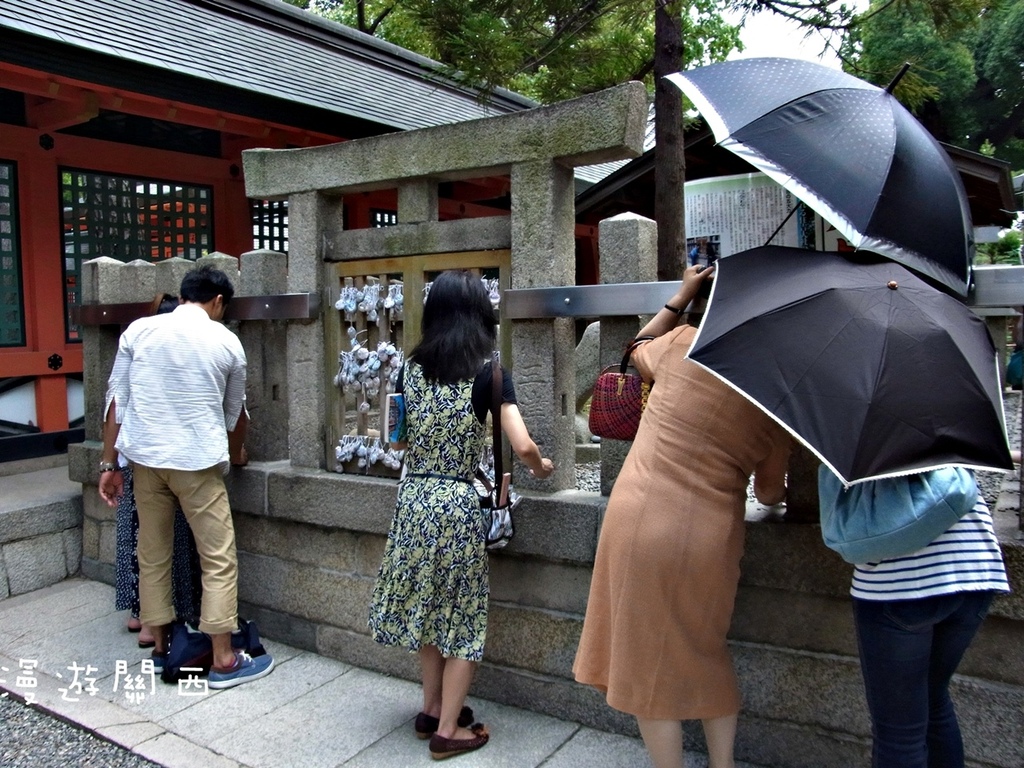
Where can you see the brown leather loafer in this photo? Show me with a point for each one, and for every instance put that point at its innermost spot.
(442, 748)
(426, 724)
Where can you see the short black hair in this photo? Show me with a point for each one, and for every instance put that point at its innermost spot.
(458, 328)
(204, 284)
(168, 303)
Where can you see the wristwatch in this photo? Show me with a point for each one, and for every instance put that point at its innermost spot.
(108, 466)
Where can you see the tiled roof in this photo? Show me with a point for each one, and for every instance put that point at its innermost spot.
(263, 47)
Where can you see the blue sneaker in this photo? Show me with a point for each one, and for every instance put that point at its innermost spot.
(159, 659)
(246, 669)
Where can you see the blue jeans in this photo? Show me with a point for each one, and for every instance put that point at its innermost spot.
(909, 650)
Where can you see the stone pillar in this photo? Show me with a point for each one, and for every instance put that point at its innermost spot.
(104, 281)
(265, 273)
(226, 263)
(543, 351)
(309, 216)
(107, 281)
(170, 272)
(628, 253)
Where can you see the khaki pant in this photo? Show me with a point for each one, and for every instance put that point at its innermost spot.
(204, 500)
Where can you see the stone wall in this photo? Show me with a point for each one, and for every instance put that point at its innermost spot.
(310, 540)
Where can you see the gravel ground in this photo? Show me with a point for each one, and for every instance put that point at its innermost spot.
(990, 482)
(588, 476)
(31, 738)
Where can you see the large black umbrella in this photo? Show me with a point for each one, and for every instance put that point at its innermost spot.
(876, 371)
(850, 151)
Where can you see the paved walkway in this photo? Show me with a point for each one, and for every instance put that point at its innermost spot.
(310, 711)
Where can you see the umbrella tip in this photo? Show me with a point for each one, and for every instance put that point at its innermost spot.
(893, 285)
(899, 76)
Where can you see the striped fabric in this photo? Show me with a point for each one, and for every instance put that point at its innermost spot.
(179, 385)
(965, 558)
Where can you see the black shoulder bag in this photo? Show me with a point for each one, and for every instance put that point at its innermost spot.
(499, 500)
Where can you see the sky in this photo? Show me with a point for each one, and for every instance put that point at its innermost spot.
(767, 34)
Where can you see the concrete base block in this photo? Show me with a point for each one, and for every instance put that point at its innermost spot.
(90, 538)
(788, 745)
(332, 548)
(96, 571)
(35, 563)
(72, 549)
(279, 626)
(540, 584)
(5, 590)
(554, 696)
(359, 649)
(319, 595)
(540, 641)
(108, 541)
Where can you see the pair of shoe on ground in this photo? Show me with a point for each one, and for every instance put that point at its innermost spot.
(245, 670)
(440, 747)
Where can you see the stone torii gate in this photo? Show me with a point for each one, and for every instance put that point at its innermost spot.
(538, 149)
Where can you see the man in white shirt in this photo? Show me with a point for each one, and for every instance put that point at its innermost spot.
(175, 408)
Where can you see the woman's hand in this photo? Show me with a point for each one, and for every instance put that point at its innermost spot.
(668, 317)
(546, 468)
(693, 276)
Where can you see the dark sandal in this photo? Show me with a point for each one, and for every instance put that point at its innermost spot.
(442, 748)
(426, 724)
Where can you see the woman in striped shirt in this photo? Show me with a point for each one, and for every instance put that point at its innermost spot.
(915, 616)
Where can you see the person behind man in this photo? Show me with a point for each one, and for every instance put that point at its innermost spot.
(175, 408)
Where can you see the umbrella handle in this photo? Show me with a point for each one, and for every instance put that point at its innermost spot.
(779, 228)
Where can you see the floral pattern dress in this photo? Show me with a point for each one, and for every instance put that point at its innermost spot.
(432, 587)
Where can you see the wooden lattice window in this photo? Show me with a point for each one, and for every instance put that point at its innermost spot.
(269, 225)
(12, 308)
(129, 218)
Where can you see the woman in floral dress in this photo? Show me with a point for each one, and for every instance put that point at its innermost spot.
(432, 590)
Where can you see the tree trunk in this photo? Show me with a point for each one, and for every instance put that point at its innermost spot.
(669, 162)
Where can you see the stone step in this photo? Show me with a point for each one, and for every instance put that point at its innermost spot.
(40, 530)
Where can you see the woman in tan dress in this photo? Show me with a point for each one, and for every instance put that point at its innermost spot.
(667, 565)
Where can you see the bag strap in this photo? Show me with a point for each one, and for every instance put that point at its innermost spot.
(496, 387)
(629, 351)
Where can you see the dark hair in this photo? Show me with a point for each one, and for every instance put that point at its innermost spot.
(163, 303)
(458, 328)
(205, 284)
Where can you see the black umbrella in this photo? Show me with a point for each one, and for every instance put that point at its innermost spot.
(850, 151)
(874, 370)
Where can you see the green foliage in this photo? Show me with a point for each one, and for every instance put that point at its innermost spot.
(942, 65)
(1005, 251)
(548, 50)
(966, 82)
